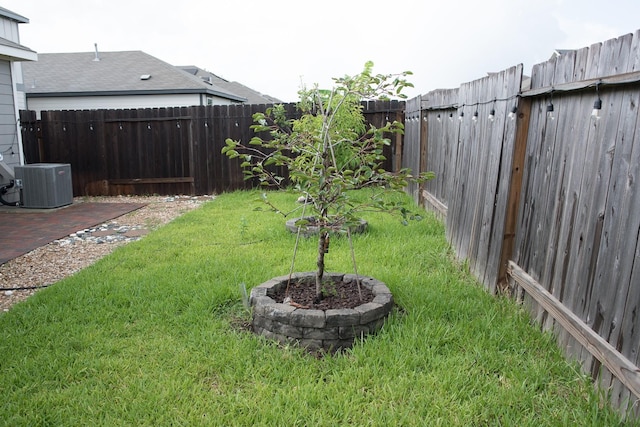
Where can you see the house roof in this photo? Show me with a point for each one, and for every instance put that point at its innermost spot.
(13, 16)
(16, 51)
(252, 96)
(111, 73)
(10, 49)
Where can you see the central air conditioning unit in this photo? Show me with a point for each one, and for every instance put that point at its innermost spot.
(44, 185)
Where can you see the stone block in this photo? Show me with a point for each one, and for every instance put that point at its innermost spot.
(265, 333)
(385, 300)
(342, 317)
(321, 334)
(282, 339)
(308, 318)
(279, 312)
(370, 311)
(356, 331)
(376, 325)
(258, 291)
(366, 281)
(260, 322)
(286, 330)
(311, 344)
(380, 289)
(308, 275)
(260, 303)
(269, 287)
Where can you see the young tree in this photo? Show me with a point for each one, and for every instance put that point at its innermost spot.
(328, 152)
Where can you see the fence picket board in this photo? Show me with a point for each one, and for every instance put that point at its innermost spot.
(616, 54)
(593, 61)
(506, 133)
(591, 211)
(633, 64)
(458, 224)
(470, 204)
(563, 223)
(614, 264)
(491, 147)
(580, 64)
(411, 155)
(480, 163)
(629, 335)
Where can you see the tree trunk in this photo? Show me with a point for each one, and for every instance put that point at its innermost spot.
(323, 247)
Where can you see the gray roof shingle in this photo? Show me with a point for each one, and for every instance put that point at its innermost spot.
(117, 73)
(253, 97)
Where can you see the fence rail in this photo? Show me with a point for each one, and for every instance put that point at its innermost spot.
(541, 199)
(162, 150)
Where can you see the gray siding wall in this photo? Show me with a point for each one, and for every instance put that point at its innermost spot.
(8, 127)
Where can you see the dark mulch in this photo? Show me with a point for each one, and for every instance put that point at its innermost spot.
(338, 295)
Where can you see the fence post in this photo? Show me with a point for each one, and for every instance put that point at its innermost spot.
(424, 143)
(399, 143)
(515, 189)
(193, 122)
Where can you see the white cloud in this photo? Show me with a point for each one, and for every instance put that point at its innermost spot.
(270, 46)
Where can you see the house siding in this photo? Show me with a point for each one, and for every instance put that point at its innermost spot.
(20, 95)
(8, 129)
(116, 102)
(9, 138)
(9, 30)
(12, 96)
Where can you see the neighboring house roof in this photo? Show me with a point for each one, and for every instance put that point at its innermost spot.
(111, 73)
(253, 97)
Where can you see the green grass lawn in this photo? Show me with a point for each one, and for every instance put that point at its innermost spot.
(149, 336)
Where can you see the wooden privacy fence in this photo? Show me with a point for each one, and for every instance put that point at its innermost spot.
(162, 150)
(541, 198)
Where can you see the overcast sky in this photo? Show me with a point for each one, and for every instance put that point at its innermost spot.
(273, 46)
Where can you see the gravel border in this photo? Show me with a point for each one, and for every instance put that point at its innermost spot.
(61, 258)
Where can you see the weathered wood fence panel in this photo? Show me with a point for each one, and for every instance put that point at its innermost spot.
(547, 205)
(411, 153)
(581, 241)
(29, 125)
(440, 108)
(159, 151)
(469, 145)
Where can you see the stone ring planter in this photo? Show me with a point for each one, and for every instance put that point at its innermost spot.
(329, 330)
(309, 230)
